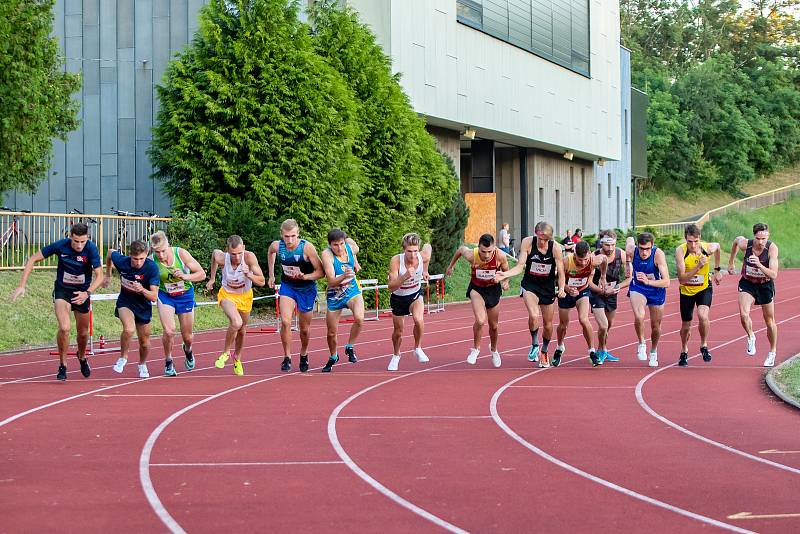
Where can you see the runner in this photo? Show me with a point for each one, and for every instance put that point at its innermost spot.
(692, 263)
(240, 270)
(340, 264)
(406, 272)
(543, 278)
(300, 268)
(78, 260)
(648, 288)
(177, 270)
(578, 268)
(604, 300)
(483, 292)
(757, 285)
(139, 281)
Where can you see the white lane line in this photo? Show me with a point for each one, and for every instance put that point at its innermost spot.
(153, 395)
(415, 417)
(676, 426)
(247, 464)
(575, 387)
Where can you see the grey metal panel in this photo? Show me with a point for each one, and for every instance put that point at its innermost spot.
(75, 192)
(144, 104)
(91, 12)
(73, 7)
(108, 165)
(127, 199)
(126, 138)
(91, 182)
(144, 184)
(162, 206)
(73, 26)
(125, 24)
(161, 8)
(108, 74)
(91, 67)
(143, 32)
(125, 82)
(91, 130)
(75, 153)
(178, 25)
(108, 31)
(10, 199)
(58, 172)
(108, 118)
(58, 22)
(58, 206)
(108, 193)
(194, 22)
(161, 52)
(91, 206)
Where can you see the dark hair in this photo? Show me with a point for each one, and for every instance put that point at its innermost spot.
(137, 247)
(760, 227)
(487, 240)
(691, 230)
(336, 234)
(581, 249)
(577, 231)
(645, 238)
(79, 229)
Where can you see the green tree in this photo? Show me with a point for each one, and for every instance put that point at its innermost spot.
(250, 111)
(35, 103)
(448, 233)
(408, 182)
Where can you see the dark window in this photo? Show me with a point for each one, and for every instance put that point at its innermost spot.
(571, 179)
(557, 30)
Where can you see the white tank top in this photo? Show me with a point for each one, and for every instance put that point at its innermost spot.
(413, 284)
(233, 280)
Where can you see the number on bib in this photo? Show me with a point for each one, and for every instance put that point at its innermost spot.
(577, 282)
(74, 279)
(292, 271)
(175, 288)
(540, 269)
(485, 274)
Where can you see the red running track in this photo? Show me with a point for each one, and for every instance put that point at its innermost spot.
(442, 445)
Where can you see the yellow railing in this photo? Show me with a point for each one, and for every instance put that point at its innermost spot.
(23, 233)
(750, 203)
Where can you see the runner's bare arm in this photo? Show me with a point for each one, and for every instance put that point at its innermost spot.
(502, 264)
(772, 270)
(330, 272)
(680, 266)
(716, 250)
(196, 271)
(623, 257)
(109, 266)
(603, 270)
(558, 256)
(217, 258)
(272, 252)
(739, 243)
(463, 251)
(313, 256)
(395, 280)
(524, 252)
(565, 266)
(427, 253)
(151, 294)
(353, 246)
(255, 274)
(33, 260)
(661, 263)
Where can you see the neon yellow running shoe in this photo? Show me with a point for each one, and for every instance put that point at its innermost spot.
(220, 363)
(237, 368)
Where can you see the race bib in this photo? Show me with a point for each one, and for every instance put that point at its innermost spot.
(540, 269)
(577, 282)
(235, 283)
(175, 288)
(696, 280)
(292, 271)
(74, 279)
(127, 284)
(485, 274)
(749, 270)
(650, 276)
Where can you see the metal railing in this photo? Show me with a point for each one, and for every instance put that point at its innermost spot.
(750, 203)
(22, 233)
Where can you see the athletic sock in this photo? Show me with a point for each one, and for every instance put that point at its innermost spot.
(545, 344)
(535, 337)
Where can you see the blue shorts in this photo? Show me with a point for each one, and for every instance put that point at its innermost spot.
(338, 299)
(303, 297)
(141, 314)
(569, 302)
(182, 303)
(656, 296)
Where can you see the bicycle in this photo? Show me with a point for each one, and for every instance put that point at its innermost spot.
(75, 220)
(120, 238)
(13, 237)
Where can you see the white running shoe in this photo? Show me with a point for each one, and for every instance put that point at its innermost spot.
(394, 363)
(496, 359)
(143, 372)
(751, 345)
(421, 356)
(473, 356)
(120, 365)
(770, 361)
(653, 359)
(641, 351)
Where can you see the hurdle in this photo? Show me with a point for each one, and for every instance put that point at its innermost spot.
(371, 284)
(276, 328)
(437, 305)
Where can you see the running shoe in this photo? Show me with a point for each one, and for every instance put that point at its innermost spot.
(85, 369)
(143, 371)
(351, 353)
(533, 354)
(544, 360)
(169, 369)
(609, 357)
(286, 364)
(593, 358)
(188, 362)
(472, 357)
(238, 370)
(303, 363)
(62, 372)
(601, 357)
(332, 360)
(421, 356)
(496, 359)
(683, 360)
(220, 363)
(770, 361)
(120, 365)
(653, 359)
(394, 363)
(751, 345)
(641, 351)
(557, 357)
(706, 354)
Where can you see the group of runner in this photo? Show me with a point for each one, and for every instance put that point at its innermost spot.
(579, 279)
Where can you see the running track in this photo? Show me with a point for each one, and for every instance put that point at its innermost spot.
(437, 446)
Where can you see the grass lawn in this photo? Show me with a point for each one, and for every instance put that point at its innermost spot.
(788, 379)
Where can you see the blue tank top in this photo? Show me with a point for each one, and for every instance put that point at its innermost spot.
(294, 262)
(350, 289)
(649, 269)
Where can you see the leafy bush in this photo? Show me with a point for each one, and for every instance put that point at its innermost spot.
(448, 233)
(193, 232)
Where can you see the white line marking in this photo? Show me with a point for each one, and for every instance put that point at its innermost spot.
(749, 515)
(415, 417)
(575, 387)
(144, 395)
(246, 464)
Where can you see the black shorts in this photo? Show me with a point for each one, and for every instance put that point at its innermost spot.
(606, 302)
(688, 302)
(491, 294)
(569, 302)
(762, 293)
(401, 304)
(546, 295)
(62, 293)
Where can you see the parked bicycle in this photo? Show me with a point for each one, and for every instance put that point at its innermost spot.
(13, 237)
(80, 219)
(122, 237)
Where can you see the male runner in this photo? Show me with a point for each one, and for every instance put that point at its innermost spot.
(604, 299)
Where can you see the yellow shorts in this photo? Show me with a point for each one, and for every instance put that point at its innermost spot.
(243, 301)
